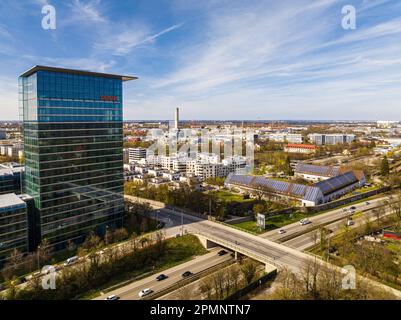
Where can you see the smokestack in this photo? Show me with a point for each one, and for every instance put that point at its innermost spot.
(177, 117)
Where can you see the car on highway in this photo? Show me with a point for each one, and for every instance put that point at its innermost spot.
(145, 292)
(367, 203)
(70, 261)
(350, 222)
(221, 253)
(112, 297)
(345, 210)
(161, 277)
(352, 208)
(281, 231)
(304, 222)
(187, 274)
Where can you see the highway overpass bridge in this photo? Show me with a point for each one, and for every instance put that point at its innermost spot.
(266, 251)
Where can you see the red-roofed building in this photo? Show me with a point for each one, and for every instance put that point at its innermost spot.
(300, 148)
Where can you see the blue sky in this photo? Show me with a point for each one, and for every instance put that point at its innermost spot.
(227, 59)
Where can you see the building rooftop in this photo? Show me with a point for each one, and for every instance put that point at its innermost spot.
(324, 171)
(9, 200)
(304, 146)
(78, 72)
(310, 193)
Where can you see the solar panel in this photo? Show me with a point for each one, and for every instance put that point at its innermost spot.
(278, 186)
(317, 170)
(336, 183)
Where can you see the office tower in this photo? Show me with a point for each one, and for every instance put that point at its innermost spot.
(10, 178)
(73, 136)
(13, 226)
(177, 118)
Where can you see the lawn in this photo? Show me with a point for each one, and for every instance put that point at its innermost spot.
(282, 220)
(231, 197)
(249, 226)
(273, 222)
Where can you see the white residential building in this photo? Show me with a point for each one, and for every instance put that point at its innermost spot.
(136, 154)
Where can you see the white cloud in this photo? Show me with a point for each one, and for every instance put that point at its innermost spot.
(131, 37)
(292, 61)
(87, 10)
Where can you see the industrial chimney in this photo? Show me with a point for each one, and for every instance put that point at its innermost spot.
(177, 117)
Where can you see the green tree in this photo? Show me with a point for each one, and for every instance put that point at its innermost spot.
(384, 167)
(287, 166)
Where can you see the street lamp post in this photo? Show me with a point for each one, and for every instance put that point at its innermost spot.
(106, 238)
(182, 223)
(38, 256)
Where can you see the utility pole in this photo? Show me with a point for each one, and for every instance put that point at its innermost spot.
(38, 256)
(182, 223)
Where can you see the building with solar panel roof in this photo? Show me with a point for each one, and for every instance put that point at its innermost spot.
(316, 173)
(305, 195)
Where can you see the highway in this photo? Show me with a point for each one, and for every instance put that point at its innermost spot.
(255, 246)
(238, 240)
(196, 265)
(309, 239)
(295, 229)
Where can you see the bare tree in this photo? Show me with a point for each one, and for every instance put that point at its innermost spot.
(248, 270)
(185, 293)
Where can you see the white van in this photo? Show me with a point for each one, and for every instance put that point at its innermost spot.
(145, 292)
(304, 222)
(70, 261)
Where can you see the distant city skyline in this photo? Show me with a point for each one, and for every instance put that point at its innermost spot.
(221, 60)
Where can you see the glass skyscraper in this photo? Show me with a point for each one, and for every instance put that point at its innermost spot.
(73, 136)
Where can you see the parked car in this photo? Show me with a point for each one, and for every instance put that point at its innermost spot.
(187, 274)
(161, 277)
(145, 292)
(112, 297)
(222, 252)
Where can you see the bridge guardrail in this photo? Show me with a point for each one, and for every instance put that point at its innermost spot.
(244, 251)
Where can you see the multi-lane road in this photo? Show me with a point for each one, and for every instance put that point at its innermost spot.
(283, 254)
(196, 265)
(295, 229)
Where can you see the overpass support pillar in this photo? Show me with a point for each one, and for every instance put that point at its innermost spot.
(206, 242)
(270, 268)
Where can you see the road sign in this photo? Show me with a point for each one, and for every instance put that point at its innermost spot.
(261, 221)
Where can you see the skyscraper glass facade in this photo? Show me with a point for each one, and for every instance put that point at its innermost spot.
(13, 226)
(73, 135)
